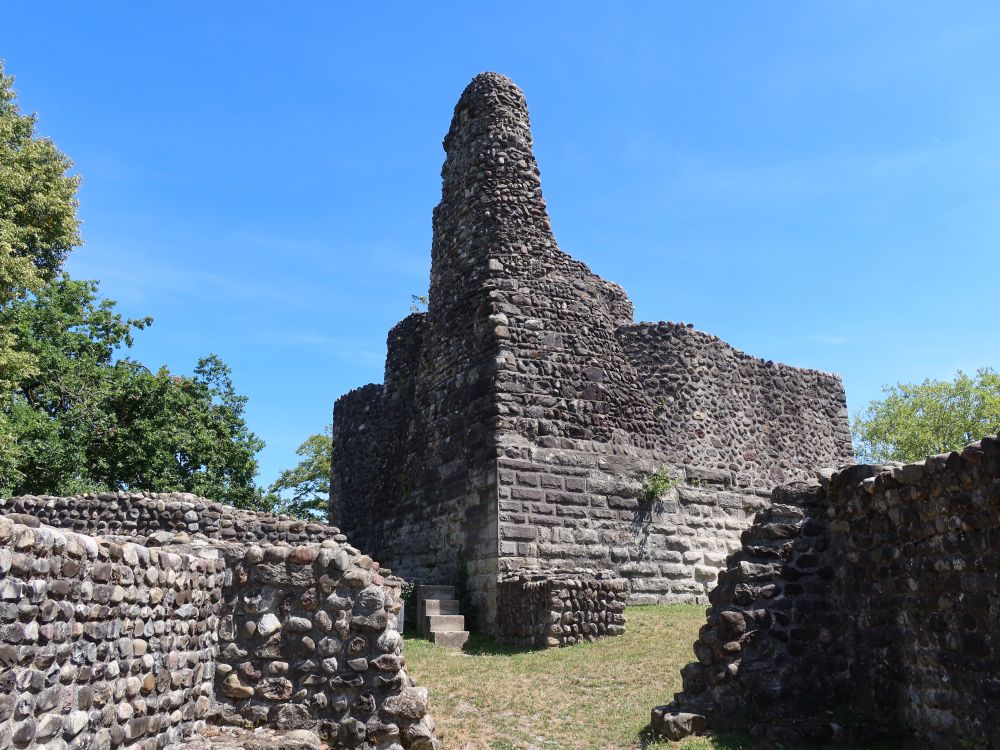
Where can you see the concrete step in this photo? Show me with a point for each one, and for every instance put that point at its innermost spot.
(443, 623)
(434, 591)
(453, 638)
(441, 607)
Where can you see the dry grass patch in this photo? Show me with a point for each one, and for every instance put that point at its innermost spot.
(595, 696)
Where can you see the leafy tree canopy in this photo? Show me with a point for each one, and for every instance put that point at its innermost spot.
(38, 224)
(75, 414)
(304, 489)
(914, 421)
(86, 420)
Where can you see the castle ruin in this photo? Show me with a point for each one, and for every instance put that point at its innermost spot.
(521, 415)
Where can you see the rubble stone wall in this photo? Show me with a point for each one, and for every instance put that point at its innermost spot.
(141, 514)
(760, 422)
(133, 639)
(876, 591)
(560, 608)
(309, 641)
(358, 433)
(518, 412)
(103, 644)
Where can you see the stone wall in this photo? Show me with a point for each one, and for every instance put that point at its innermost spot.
(876, 593)
(760, 422)
(564, 508)
(103, 644)
(144, 514)
(308, 640)
(560, 608)
(518, 414)
(357, 436)
(134, 639)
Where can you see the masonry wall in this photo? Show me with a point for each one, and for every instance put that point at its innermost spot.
(875, 593)
(103, 645)
(759, 422)
(308, 640)
(358, 436)
(167, 514)
(560, 608)
(520, 413)
(134, 638)
(584, 508)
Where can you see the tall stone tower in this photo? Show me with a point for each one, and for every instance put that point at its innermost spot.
(520, 414)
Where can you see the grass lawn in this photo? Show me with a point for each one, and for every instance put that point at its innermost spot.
(595, 696)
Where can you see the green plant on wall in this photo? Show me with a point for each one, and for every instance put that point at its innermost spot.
(656, 485)
(407, 590)
(662, 405)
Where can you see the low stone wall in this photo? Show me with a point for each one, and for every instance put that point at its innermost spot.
(309, 641)
(103, 644)
(134, 641)
(140, 514)
(873, 593)
(559, 608)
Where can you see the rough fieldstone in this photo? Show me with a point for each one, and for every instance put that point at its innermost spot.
(676, 725)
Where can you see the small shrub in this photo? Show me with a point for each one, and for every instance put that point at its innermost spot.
(656, 485)
(407, 590)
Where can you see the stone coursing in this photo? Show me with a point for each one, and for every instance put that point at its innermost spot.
(759, 422)
(144, 514)
(873, 593)
(560, 608)
(135, 639)
(308, 640)
(519, 412)
(103, 644)
(570, 508)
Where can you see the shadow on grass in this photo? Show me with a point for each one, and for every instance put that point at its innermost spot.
(719, 741)
(482, 645)
(478, 645)
(742, 741)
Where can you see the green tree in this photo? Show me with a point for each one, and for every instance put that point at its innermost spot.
(914, 421)
(88, 419)
(38, 223)
(75, 414)
(303, 490)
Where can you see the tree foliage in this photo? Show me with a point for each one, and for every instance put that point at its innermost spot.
(38, 224)
(87, 419)
(304, 489)
(914, 421)
(75, 413)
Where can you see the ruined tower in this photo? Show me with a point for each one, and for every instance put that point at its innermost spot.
(520, 414)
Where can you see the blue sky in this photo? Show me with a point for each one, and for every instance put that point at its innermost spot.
(817, 183)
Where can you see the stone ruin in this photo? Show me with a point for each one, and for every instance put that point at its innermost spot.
(522, 415)
(511, 453)
(132, 620)
(862, 606)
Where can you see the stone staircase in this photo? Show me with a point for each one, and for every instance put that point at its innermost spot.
(438, 616)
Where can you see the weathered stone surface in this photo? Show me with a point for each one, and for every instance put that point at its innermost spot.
(560, 608)
(262, 738)
(525, 406)
(676, 726)
(95, 641)
(409, 703)
(879, 591)
(136, 646)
